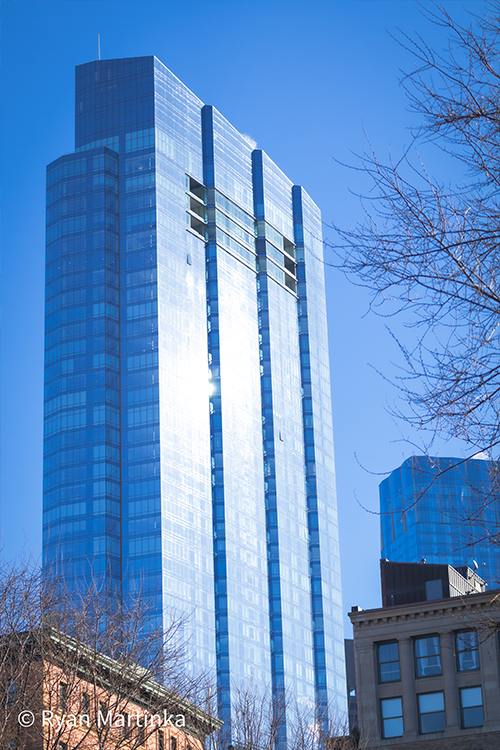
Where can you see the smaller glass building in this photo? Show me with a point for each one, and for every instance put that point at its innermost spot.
(446, 510)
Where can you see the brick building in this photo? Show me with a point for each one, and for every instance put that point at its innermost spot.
(61, 695)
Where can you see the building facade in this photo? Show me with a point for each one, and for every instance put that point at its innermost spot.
(188, 430)
(443, 510)
(428, 674)
(63, 695)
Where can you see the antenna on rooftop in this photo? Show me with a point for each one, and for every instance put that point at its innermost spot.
(99, 46)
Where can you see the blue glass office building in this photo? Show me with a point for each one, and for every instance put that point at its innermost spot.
(188, 428)
(445, 510)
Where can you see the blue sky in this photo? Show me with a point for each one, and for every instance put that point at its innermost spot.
(309, 80)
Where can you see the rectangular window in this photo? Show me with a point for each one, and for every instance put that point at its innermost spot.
(173, 743)
(161, 739)
(431, 712)
(11, 692)
(126, 725)
(141, 733)
(427, 656)
(471, 703)
(63, 696)
(391, 710)
(467, 651)
(388, 662)
(85, 705)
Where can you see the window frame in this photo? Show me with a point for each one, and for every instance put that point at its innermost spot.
(63, 696)
(429, 713)
(392, 661)
(141, 733)
(464, 708)
(389, 718)
(459, 651)
(11, 692)
(417, 659)
(102, 708)
(126, 728)
(85, 708)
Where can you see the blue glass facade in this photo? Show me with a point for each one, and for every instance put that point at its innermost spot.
(188, 443)
(445, 510)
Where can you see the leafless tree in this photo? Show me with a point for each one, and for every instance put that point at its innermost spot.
(257, 724)
(77, 670)
(431, 251)
(66, 658)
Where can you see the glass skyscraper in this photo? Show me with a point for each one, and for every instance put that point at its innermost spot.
(443, 510)
(188, 427)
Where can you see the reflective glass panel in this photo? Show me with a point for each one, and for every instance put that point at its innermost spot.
(467, 651)
(392, 717)
(427, 656)
(471, 700)
(388, 662)
(431, 712)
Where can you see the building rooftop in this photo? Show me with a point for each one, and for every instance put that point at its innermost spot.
(404, 583)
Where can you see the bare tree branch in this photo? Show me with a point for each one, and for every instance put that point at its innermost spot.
(66, 656)
(431, 252)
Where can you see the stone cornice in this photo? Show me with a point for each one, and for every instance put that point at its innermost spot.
(487, 603)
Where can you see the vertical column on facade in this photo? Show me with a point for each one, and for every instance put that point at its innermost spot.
(324, 566)
(366, 691)
(216, 446)
(82, 489)
(140, 418)
(450, 679)
(268, 436)
(490, 670)
(310, 466)
(186, 558)
(408, 687)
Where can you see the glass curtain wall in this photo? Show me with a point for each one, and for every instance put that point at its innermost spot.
(189, 455)
(445, 510)
(82, 509)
